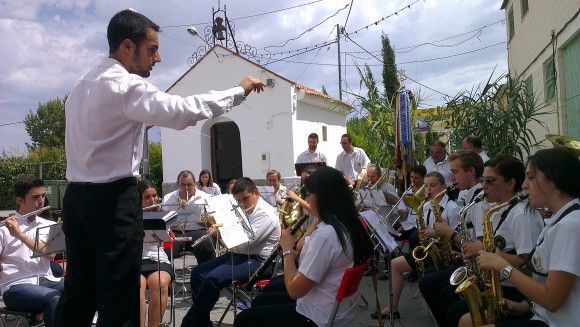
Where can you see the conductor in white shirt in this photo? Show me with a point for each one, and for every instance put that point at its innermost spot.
(352, 161)
(106, 115)
(311, 155)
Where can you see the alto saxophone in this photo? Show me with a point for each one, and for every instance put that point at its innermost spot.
(487, 306)
(470, 268)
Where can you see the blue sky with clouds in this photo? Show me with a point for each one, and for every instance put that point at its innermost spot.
(447, 45)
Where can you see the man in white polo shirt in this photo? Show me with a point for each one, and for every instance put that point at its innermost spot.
(353, 161)
(438, 161)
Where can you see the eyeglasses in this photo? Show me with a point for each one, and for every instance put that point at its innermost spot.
(491, 180)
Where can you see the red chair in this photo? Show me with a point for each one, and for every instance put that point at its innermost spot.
(348, 286)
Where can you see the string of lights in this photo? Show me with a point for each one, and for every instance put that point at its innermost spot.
(408, 6)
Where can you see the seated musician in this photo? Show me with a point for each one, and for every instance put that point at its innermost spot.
(434, 184)
(208, 278)
(273, 177)
(206, 184)
(156, 270)
(552, 177)
(28, 284)
(466, 170)
(378, 186)
(352, 161)
(518, 225)
(336, 241)
(407, 215)
(187, 198)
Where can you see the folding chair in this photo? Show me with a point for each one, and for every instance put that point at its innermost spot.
(348, 286)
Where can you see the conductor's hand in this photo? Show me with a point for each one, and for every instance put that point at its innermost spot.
(250, 83)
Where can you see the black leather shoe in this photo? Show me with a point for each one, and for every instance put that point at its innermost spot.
(384, 316)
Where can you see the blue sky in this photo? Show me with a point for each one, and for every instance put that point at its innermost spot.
(446, 45)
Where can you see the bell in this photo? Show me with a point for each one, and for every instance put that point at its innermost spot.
(218, 29)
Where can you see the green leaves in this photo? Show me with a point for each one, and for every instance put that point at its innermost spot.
(501, 114)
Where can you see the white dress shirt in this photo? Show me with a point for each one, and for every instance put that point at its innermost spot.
(266, 226)
(311, 157)
(352, 164)
(441, 167)
(106, 114)
(16, 264)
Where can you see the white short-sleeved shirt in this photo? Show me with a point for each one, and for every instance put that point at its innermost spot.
(465, 197)
(441, 167)
(150, 247)
(323, 261)
(211, 190)
(375, 199)
(17, 266)
(352, 164)
(411, 221)
(559, 251)
(520, 228)
(311, 157)
(193, 206)
(475, 216)
(449, 212)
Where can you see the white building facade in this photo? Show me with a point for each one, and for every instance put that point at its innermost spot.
(544, 51)
(267, 131)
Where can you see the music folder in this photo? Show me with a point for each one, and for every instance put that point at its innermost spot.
(52, 237)
(382, 230)
(160, 220)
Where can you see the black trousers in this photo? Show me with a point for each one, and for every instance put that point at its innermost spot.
(431, 285)
(272, 309)
(203, 252)
(103, 225)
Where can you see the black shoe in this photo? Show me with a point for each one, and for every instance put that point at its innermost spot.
(396, 315)
(411, 276)
(383, 275)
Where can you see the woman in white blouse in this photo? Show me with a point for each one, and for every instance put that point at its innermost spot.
(205, 183)
(552, 181)
(155, 276)
(334, 242)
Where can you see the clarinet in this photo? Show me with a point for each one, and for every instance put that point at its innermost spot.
(248, 285)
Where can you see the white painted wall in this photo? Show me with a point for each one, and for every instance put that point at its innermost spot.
(527, 53)
(267, 122)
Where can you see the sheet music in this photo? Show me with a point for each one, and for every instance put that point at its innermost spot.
(232, 233)
(381, 229)
(268, 194)
(54, 242)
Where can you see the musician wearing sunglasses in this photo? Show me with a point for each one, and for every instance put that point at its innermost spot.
(552, 177)
(334, 242)
(28, 284)
(516, 227)
(209, 278)
(156, 270)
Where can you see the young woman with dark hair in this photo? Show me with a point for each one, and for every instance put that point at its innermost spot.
(552, 177)
(205, 183)
(334, 242)
(155, 276)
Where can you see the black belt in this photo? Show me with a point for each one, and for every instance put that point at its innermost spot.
(122, 181)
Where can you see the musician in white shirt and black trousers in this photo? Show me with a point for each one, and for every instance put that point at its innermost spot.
(209, 278)
(106, 115)
(312, 154)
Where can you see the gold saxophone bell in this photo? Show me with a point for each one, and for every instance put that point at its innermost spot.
(474, 298)
(565, 142)
(459, 276)
(421, 252)
(414, 200)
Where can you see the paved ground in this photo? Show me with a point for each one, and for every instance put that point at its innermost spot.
(414, 311)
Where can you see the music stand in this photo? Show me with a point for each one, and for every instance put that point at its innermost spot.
(54, 243)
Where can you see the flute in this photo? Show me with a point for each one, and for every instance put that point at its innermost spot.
(30, 214)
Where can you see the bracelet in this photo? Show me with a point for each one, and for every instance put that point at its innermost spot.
(287, 252)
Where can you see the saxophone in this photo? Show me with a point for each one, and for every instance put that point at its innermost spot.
(470, 268)
(416, 202)
(487, 306)
(290, 212)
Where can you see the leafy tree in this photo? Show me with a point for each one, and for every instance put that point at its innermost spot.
(51, 160)
(390, 80)
(46, 126)
(10, 168)
(155, 164)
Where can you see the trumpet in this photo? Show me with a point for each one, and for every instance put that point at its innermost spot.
(30, 214)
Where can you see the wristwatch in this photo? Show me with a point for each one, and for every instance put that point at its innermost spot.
(505, 273)
(288, 252)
